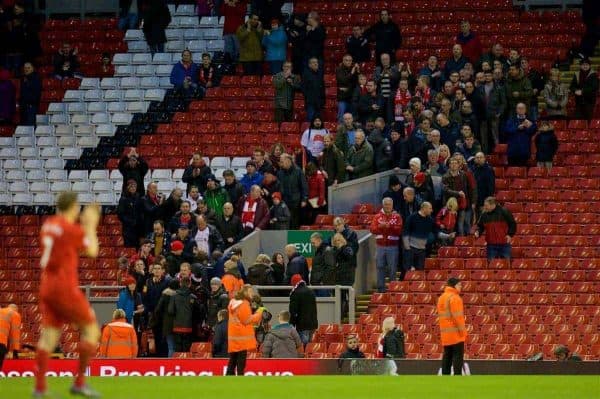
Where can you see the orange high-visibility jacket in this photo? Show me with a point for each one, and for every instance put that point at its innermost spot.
(451, 317)
(232, 284)
(10, 329)
(240, 329)
(118, 340)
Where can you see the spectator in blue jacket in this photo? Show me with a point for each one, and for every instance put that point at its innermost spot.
(252, 177)
(275, 44)
(519, 130)
(456, 62)
(449, 131)
(184, 75)
(130, 300)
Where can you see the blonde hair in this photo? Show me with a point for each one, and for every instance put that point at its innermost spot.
(337, 237)
(444, 147)
(388, 325)
(118, 314)
(263, 258)
(231, 264)
(452, 204)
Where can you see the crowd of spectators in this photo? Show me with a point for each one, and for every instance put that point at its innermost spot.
(177, 285)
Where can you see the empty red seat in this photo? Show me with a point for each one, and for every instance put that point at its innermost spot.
(201, 347)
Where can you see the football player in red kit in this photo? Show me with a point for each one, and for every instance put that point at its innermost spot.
(63, 239)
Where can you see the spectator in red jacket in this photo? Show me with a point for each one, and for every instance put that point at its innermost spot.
(446, 219)
(499, 227)
(316, 193)
(469, 41)
(387, 227)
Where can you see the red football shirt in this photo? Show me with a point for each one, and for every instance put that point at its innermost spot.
(61, 243)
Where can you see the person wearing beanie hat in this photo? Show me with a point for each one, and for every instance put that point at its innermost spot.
(176, 246)
(270, 185)
(252, 177)
(395, 192)
(217, 300)
(303, 309)
(275, 41)
(279, 214)
(453, 331)
(585, 87)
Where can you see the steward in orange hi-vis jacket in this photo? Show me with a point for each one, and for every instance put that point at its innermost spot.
(10, 331)
(451, 317)
(118, 338)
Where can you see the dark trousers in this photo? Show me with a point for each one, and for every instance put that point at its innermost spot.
(294, 217)
(252, 68)
(237, 362)
(160, 342)
(183, 342)
(28, 113)
(284, 115)
(453, 357)
(3, 352)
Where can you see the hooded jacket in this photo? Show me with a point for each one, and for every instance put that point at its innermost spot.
(118, 340)
(282, 213)
(250, 44)
(215, 199)
(323, 266)
(217, 300)
(232, 282)
(496, 225)
(275, 45)
(282, 342)
(162, 318)
(185, 309)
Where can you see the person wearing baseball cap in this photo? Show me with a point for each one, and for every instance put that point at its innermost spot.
(451, 316)
(585, 87)
(252, 177)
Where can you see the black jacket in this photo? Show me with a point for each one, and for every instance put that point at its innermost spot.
(345, 265)
(219, 343)
(169, 208)
(235, 191)
(198, 181)
(334, 164)
(282, 213)
(359, 49)
(387, 37)
(382, 151)
(156, 19)
(136, 173)
(296, 265)
(486, 182)
(215, 241)
(294, 188)
(314, 42)
(303, 308)
(186, 310)
(31, 90)
(323, 266)
(313, 88)
(393, 344)
(162, 319)
(129, 215)
(149, 212)
(230, 228)
(217, 300)
(153, 291)
(546, 144)
(260, 274)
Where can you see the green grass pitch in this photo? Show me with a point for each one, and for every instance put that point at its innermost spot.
(324, 387)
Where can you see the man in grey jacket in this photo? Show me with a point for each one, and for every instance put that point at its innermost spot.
(283, 340)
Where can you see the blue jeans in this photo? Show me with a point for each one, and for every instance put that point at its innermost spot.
(305, 336)
(498, 251)
(129, 21)
(387, 265)
(463, 224)
(170, 344)
(343, 107)
(232, 47)
(275, 67)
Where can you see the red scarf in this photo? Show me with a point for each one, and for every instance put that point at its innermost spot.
(185, 219)
(362, 90)
(424, 94)
(401, 101)
(153, 198)
(205, 79)
(248, 212)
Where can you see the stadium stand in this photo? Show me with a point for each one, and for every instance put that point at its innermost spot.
(547, 294)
